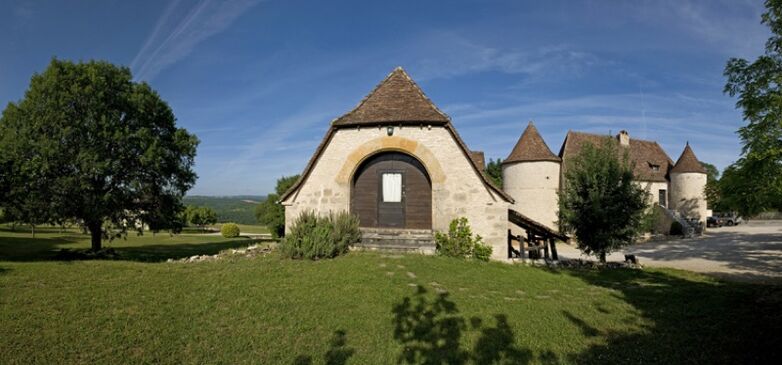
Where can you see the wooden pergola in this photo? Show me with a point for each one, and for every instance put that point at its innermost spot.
(539, 238)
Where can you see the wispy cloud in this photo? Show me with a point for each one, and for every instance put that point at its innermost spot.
(671, 120)
(174, 38)
(734, 26)
(448, 54)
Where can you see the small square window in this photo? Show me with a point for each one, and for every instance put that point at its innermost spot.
(392, 187)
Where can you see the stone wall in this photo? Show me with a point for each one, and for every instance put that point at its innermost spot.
(456, 188)
(653, 188)
(533, 185)
(687, 195)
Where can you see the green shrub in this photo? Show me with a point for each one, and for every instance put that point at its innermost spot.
(482, 252)
(271, 213)
(676, 229)
(229, 230)
(460, 242)
(315, 237)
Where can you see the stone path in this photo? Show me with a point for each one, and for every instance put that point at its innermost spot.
(748, 252)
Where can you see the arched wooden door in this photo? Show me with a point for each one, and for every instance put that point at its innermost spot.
(392, 190)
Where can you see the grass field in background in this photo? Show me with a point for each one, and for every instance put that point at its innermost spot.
(237, 209)
(364, 308)
(19, 245)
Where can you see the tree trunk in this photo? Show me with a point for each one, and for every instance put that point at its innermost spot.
(95, 235)
(603, 257)
(33, 229)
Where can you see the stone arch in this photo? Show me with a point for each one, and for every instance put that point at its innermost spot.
(386, 144)
(392, 189)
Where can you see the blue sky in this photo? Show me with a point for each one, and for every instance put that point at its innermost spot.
(259, 81)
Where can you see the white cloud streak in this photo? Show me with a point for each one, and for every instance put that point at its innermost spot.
(446, 54)
(174, 38)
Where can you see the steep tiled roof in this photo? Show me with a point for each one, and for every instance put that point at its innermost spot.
(386, 104)
(396, 99)
(651, 163)
(687, 162)
(531, 147)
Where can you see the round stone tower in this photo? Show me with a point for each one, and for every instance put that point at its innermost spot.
(688, 179)
(530, 175)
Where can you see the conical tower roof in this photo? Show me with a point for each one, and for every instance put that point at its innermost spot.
(687, 162)
(531, 147)
(396, 99)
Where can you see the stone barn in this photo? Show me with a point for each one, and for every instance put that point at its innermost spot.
(397, 162)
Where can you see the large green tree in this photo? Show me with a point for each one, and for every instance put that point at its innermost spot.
(91, 145)
(201, 216)
(269, 212)
(599, 201)
(754, 182)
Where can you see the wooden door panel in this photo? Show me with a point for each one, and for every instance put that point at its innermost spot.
(415, 210)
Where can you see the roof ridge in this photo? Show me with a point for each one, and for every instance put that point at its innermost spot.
(531, 147)
(396, 98)
(366, 97)
(688, 162)
(420, 91)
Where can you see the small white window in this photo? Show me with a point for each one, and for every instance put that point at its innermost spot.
(392, 188)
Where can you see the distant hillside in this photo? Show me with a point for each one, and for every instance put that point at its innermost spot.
(238, 209)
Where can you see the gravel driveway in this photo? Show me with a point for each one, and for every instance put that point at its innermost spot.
(747, 252)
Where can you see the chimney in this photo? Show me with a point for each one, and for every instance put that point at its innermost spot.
(623, 137)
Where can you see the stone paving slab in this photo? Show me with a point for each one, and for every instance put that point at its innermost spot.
(747, 252)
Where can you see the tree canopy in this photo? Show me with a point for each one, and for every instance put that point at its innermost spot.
(87, 143)
(272, 214)
(494, 171)
(754, 182)
(200, 216)
(599, 201)
(712, 190)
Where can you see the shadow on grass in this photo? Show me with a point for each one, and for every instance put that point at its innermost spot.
(337, 354)
(33, 249)
(686, 321)
(25, 249)
(156, 253)
(680, 320)
(430, 332)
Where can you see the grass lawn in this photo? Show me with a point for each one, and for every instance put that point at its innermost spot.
(19, 245)
(364, 308)
(243, 228)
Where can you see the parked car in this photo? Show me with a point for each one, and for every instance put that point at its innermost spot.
(713, 221)
(729, 219)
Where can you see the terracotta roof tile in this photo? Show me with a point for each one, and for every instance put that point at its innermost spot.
(387, 104)
(479, 159)
(531, 147)
(396, 99)
(651, 163)
(687, 162)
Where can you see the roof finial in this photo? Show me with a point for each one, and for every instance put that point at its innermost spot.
(688, 143)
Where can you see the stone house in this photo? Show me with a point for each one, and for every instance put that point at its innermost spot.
(397, 162)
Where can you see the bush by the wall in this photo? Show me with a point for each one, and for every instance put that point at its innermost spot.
(460, 242)
(230, 230)
(676, 229)
(482, 252)
(315, 237)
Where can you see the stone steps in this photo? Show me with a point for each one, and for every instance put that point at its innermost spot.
(397, 240)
